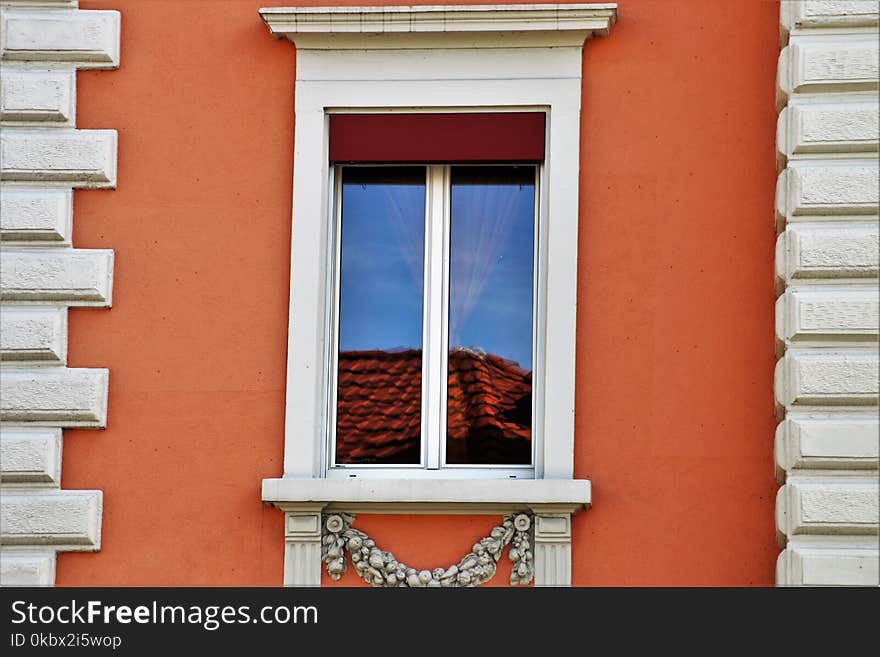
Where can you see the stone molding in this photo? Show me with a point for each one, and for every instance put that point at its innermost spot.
(302, 545)
(313, 537)
(583, 19)
(43, 157)
(380, 568)
(551, 502)
(826, 447)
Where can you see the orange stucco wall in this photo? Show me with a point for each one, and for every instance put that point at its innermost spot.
(674, 412)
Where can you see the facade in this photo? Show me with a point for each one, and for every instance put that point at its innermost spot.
(204, 205)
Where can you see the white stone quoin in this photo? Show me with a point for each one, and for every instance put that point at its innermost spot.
(30, 456)
(54, 396)
(836, 505)
(828, 250)
(29, 567)
(33, 335)
(826, 447)
(63, 518)
(88, 38)
(818, 189)
(847, 62)
(827, 315)
(36, 215)
(809, 566)
(79, 158)
(37, 97)
(70, 277)
(43, 157)
(831, 442)
(828, 128)
(827, 378)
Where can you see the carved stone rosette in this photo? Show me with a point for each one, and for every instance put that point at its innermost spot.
(380, 568)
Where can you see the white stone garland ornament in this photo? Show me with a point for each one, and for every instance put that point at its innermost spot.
(380, 568)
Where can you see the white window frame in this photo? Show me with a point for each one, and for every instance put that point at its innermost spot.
(435, 338)
(306, 411)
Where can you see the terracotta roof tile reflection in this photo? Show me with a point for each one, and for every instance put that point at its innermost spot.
(379, 408)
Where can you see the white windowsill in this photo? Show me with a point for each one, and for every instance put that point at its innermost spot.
(429, 496)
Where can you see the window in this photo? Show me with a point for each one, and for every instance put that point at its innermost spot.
(355, 67)
(505, 64)
(434, 323)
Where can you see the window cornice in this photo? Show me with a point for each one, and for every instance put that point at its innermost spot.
(591, 19)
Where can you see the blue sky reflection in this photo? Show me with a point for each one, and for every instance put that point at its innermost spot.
(492, 261)
(383, 246)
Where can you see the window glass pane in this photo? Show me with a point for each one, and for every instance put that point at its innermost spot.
(379, 383)
(491, 272)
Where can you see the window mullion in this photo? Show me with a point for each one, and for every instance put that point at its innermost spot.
(333, 292)
(443, 380)
(433, 415)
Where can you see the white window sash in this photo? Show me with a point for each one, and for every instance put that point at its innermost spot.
(435, 341)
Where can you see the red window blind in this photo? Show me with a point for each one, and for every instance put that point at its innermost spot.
(437, 138)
